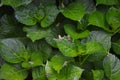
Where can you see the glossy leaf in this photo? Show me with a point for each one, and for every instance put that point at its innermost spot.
(98, 74)
(15, 3)
(9, 27)
(111, 65)
(72, 31)
(36, 33)
(54, 32)
(98, 19)
(70, 72)
(88, 4)
(58, 62)
(51, 13)
(9, 72)
(74, 11)
(11, 50)
(107, 2)
(38, 73)
(101, 37)
(42, 47)
(116, 47)
(30, 14)
(50, 72)
(35, 60)
(93, 47)
(113, 18)
(68, 48)
(25, 18)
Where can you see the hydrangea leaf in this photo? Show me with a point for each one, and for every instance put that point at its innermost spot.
(111, 65)
(72, 31)
(98, 74)
(107, 2)
(51, 13)
(93, 47)
(74, 11)
(68, 48)
(97, 18)
(36, 33)
(9, 72)
(38, 73)
(70, 72)
(29, 15)
(11, 50)
(35, 60)
(15, 3)
(59, 61)
(116, 47)
(113, 18)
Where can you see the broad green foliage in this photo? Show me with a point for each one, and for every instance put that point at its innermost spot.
(103, 39)
(11, 50)
(113, 18)
(9, 72)
(111, 65)
(51, 13)
(58, 62)
(38, 73)
(59, 39)
(35, 60)
(116, 47)
(97, 18)
(15, 3)
(36, 32)
(67, 47)
(69, 72)
(107, 2)
(74, 11)
(93, 47)
(98, 74)
(54, 32)
(71, 30)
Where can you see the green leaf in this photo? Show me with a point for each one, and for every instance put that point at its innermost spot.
(113, 18)
(74, 11)
(51, 13)
(101, 37)
(15, 3)
(38, 73)
(98, 74)
(41, 46)
(55, 31)
(70, 72)
(9, 27)
(67, 47)
(116, 47)
(111, 65)
(88, 4)
(24, 18)
(9, 72)
(97, 18)
(36, 33)
(30, 14)
(11, 50)
(50, 72)
(107, 2)
(59, 61)
(35, 60)
(93, 47)
(72, 31)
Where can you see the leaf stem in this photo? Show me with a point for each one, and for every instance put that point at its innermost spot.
(84, 60)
